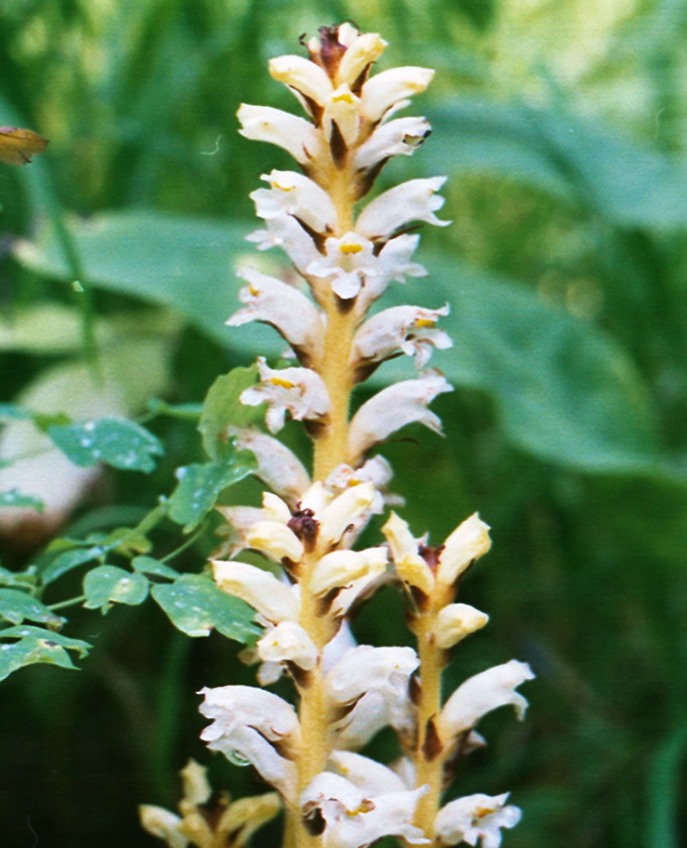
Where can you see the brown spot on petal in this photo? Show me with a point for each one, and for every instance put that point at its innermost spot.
(305, 526)
(338, 146)
(314, 822)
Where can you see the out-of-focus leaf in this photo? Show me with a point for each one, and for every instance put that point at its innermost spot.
(15, 411)
(223, 408)
(184, 263)
(36, 645)
(116, 441)
(16, 498)
(154, 567)
(564, 391)
(200, 485)
(17, 607)
(664, 781)
(196, 606)
(44, 328)
(52, 566)
(18, 579)
(626, 181)
(108, 584)
(190, 411)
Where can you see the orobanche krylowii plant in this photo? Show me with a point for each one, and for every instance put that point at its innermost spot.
(346, 254)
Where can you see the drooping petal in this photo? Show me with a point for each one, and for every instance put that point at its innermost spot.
(289, 311)
(295, 135)
(274, 600)
(469, 541)
(353, 820)
(482, 693)
(455, 622)
(278, 467)
(162, 823)
(394, 263)
(387, 89)
(367, 774)
(284, 231)
(288, 642)
(306, 77)
(294, 194)
(476, 819)
(253, 726)
(341, 568)
(400, 137)
(409, 329)
(409, 565)
(392, 408)
(299, 391)
(415, 200)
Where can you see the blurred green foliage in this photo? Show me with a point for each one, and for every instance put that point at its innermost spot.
(562, 126)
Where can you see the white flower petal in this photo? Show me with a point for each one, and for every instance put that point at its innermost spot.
(353, 820)
(278, 467)
(409, 329)
(366, 774)
(476, 818)
(349, 511)
(387, 88)
(393, 263)
(288, 310)
(275, 540)
(481, 694)
(410, 566)
(392, 408)
(455, 622)
(162, 823)
(468, 542)
(400, 137)
(273, 599)
(245, 724)
(341, 568)
(299, 391)
(364, 50)
(288, 642)
(415, 200)
(294, 194)
(303, 75)
(295, 135)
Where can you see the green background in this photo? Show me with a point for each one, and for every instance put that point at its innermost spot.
(561, 126)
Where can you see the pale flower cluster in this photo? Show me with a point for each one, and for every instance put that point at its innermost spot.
(308, 524)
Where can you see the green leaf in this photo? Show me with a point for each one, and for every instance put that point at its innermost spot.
(17, 606)
(628, 182)
(36, 645)
(108, 584)
(154, 567)
(196, 606)
(18, 579)
(16, 498)
(564, 391)
(223, 408)
(183, 263)
(51, 567)
(201, 484)
(189, 411)
(15, 411)
(116, 441)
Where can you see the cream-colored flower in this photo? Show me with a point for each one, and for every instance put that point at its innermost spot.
(388, 91)
(482, 693)
(253, 726)
(476, 819)
(298, 391)
(392, 408)
(353, 818)
(455, 622)
(274, 600)
(293, 315)
(407, 329)
(293, 194)
(415, 200)
(295, 135)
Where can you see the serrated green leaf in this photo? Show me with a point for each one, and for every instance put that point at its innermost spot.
(223, 408)
(195, 605)
(17, 606)
(108, 584)
(201, 484)
(154, 567)
(116, 441)
(16, 498)
(36, 645)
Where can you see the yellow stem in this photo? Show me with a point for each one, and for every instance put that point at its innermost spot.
(429, 762)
